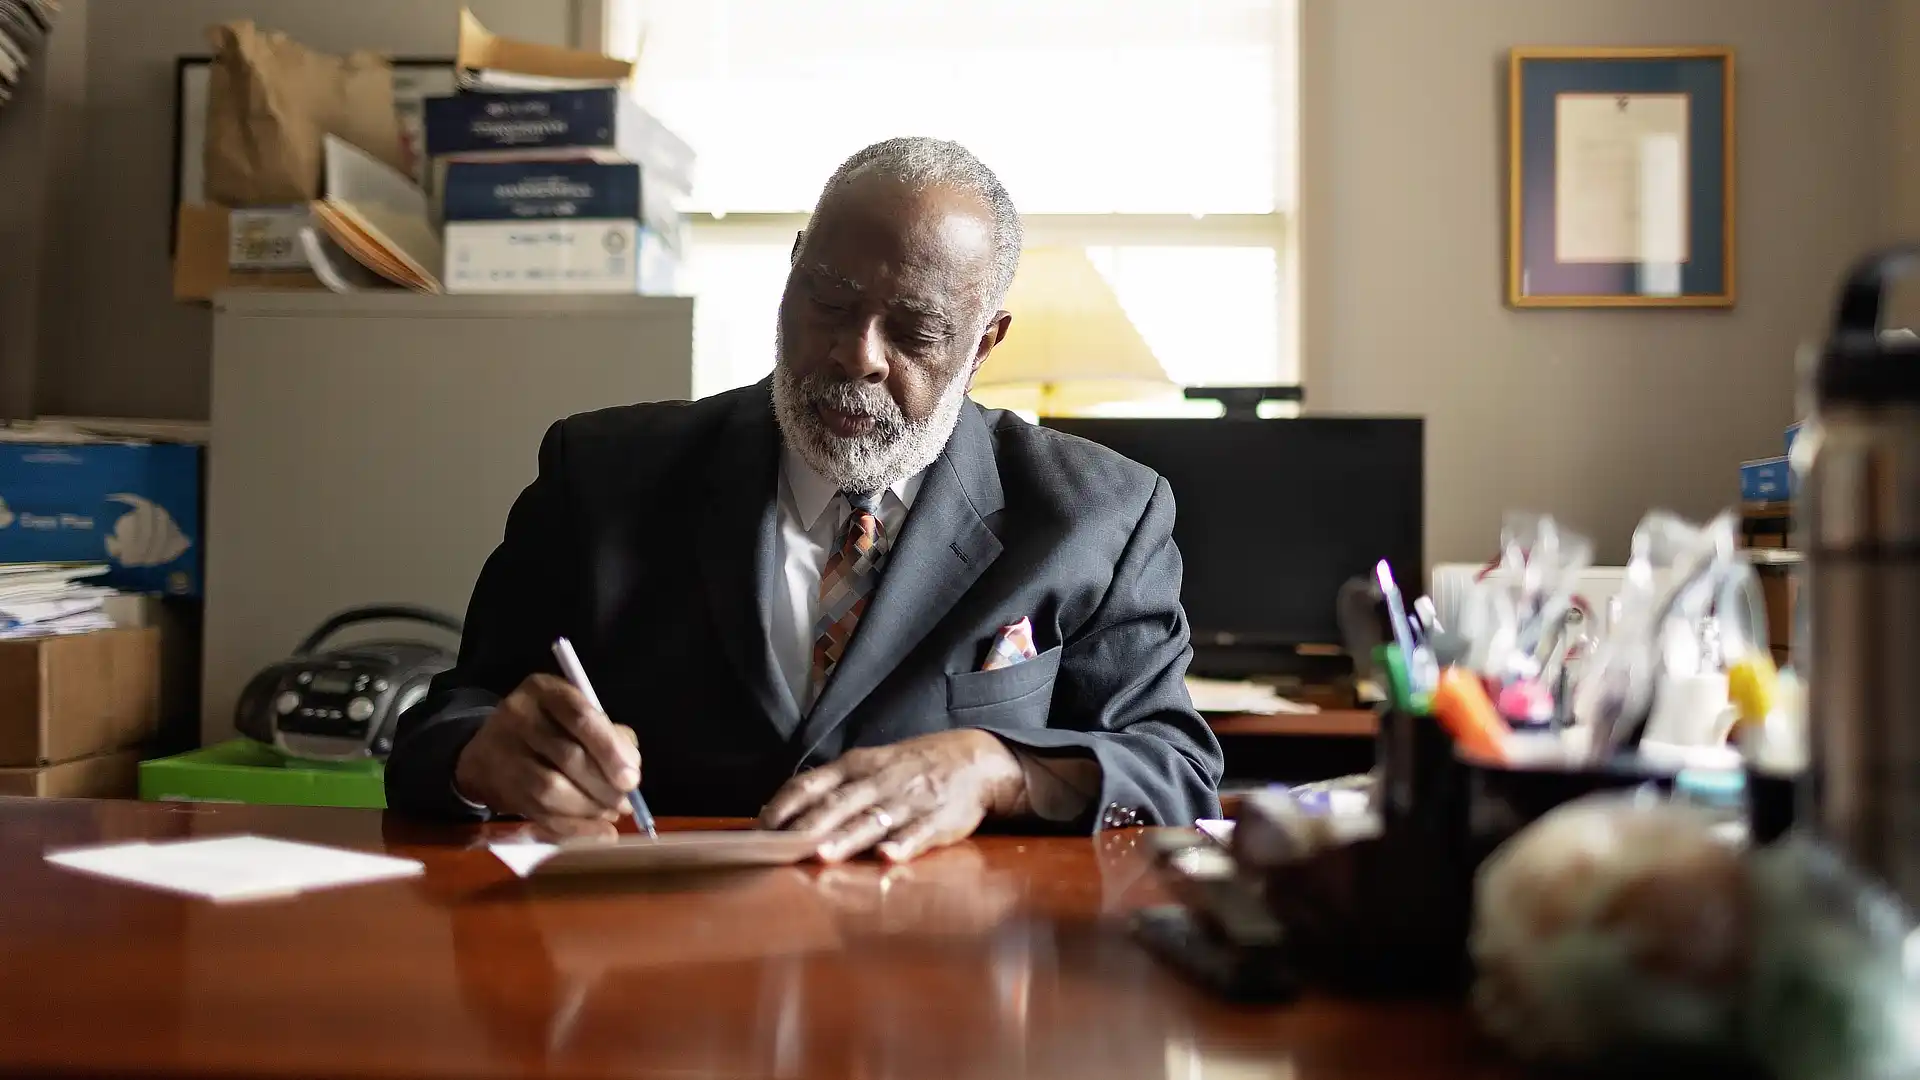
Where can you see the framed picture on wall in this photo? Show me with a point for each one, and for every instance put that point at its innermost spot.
(1620, 177)
(414, 80)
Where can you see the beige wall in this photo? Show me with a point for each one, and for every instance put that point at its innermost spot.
(1593, 415)
(119, 344)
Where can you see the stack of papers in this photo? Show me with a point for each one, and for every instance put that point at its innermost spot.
(674, 852)
(233, 868)
(488, 63)
(41, 599)
(379, 217)
(1226, 696)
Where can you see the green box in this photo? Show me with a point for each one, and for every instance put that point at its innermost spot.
(244, 771)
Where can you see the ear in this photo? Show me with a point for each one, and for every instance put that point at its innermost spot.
(799, 239)
(993, 335)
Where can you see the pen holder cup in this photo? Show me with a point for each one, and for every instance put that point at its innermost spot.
(1391, 913)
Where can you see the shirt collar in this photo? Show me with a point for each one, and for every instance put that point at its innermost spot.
(812, 493)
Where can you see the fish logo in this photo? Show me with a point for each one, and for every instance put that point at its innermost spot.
(146, 535)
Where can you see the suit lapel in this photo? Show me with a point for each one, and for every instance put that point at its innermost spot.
(942, 550)
(736, 558)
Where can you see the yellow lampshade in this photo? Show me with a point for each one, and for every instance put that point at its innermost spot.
(1071, 345)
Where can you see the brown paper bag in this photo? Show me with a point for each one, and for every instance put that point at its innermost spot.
(270, 104)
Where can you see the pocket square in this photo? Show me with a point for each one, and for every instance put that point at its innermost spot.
(1012, 644)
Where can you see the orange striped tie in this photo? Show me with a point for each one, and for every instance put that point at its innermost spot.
(847, 583)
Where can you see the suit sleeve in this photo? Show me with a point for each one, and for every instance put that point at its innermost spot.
(1121, 694)
(516, 611)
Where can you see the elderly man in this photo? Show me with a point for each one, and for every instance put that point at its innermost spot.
(846, 599)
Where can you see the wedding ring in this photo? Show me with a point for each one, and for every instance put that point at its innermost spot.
(881, 818)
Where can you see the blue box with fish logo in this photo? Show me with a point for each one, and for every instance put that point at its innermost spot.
(134, 506)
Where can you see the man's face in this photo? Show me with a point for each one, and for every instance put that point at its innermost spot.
(882, 324)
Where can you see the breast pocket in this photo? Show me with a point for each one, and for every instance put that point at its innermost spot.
(1020, 687)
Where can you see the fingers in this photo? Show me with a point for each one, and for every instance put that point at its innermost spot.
(916, 838)
(858, 833)
(541, 792)
(567, 757)
(617, 757)
(838, 807)
(801, 793)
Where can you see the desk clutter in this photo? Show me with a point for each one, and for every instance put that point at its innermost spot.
(1586, 831)
(538, 173)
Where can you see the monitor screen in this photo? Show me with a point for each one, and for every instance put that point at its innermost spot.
(1273, 516)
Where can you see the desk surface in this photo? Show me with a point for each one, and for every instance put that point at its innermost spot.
(1327, 723)
(1002, 957)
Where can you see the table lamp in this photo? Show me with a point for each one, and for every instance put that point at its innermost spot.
(1071, 345)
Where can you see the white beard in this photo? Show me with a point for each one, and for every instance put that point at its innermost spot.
(893, 450)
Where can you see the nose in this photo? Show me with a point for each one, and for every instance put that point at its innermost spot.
(860, 351)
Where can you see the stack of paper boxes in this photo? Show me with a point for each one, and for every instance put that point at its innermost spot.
(567, 190)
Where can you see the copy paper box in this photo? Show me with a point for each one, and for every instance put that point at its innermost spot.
(75, 696)
(133, 506)
(102, 776)
(557, 257)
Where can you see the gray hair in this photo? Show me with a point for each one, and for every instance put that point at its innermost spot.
(919, 161)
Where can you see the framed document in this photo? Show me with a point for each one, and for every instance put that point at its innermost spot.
(1620, 177)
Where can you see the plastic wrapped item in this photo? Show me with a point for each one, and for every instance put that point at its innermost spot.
(1520, 620)
(1622, 931)
(1689, 607)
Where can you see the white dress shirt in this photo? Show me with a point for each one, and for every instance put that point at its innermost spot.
(813, 525)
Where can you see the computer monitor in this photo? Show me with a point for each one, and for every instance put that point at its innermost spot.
(1273, 516)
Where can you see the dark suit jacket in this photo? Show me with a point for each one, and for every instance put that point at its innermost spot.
(648, 539)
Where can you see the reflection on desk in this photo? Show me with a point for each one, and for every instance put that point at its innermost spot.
(1004, 956)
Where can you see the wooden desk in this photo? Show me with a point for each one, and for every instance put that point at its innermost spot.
(1292, 749)
(1327, 723)
(1003, 957)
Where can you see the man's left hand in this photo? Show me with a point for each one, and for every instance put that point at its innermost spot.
(904, 799)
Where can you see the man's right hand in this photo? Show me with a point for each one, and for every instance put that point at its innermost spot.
(545, 754)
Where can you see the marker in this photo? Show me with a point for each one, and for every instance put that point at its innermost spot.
(577, 675)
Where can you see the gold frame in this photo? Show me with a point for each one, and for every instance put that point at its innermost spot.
(1516, 58)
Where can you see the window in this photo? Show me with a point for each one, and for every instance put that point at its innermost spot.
(1158, 135)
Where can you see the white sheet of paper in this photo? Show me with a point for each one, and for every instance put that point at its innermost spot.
(231, 868)
(1228, 696)
(674, 851)
(1620, 175)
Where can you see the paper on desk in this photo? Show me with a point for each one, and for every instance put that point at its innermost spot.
(1226, 696)
(675, 851)
(233, 868)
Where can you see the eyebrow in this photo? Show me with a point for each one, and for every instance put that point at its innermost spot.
(926, 309)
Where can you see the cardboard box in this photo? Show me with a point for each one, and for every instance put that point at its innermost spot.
(1765, 480)
(203, 255)
(605, 123)
(179, 621)
(103, 776)
(267, 238)
(557, 257)
(134, 506)
(64, 698)
(531, 190)
(562, 190)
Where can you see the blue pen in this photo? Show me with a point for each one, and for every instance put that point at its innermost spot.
(577, 675)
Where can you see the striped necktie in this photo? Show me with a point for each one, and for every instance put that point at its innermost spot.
(846, 583)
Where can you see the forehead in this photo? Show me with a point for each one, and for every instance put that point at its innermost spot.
(879, 234)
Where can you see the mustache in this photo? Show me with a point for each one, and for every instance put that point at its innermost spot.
(853, 396)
